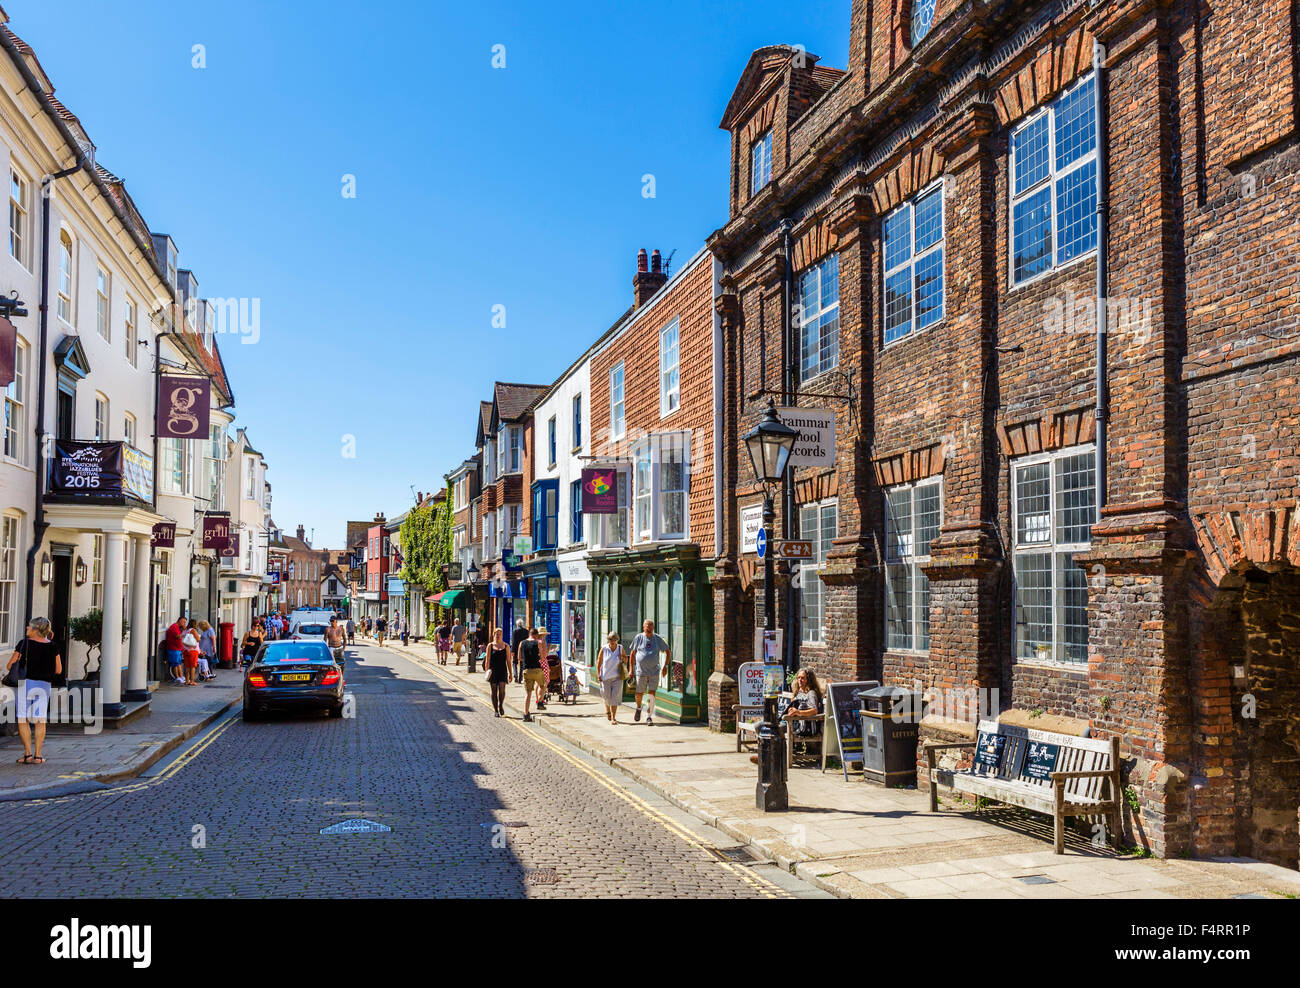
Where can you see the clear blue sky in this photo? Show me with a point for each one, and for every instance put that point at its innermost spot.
(475, 187)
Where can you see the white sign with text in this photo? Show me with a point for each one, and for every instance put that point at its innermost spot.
(815, 446)
(751, 520)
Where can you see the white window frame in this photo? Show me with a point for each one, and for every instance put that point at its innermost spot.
(552, 440)
(20, 217)
(911, 262)
(614, 531)
(97, 571)
(916, 636)
(577, 421)
(103, 303)
(760, 163)
(814, 633)
(132, 332)
(652, 495)
(1052, 180)
(16, 405)
(806, 317)
(67, 277)
(102, 410)
(617, 401)
(11, 525)
(670, 380)
(1060, 553)
(129, 429)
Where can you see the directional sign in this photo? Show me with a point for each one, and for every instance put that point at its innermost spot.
(792, 549)
(762, 543)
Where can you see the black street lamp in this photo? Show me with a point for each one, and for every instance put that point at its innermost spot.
(770, 444)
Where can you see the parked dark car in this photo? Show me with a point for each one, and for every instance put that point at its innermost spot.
(293, 675)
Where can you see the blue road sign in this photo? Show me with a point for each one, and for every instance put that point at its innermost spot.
(762, 543)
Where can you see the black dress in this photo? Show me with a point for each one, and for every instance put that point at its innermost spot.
(500, 667)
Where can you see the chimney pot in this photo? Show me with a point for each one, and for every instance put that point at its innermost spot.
(640, 260)
(656, 263)
(301, 532)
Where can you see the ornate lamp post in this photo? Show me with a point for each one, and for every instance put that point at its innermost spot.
(770, 444)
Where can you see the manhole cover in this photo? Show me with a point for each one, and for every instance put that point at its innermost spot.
(357, 827)
(508, 823)
(732, 853)
(542, 876)
(1036, 880)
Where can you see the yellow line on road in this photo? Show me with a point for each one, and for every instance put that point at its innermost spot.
(759, 884)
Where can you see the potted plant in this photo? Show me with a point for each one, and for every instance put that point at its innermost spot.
(88, 629)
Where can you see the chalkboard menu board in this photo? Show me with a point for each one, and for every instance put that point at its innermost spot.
(846, 708)
(1040, 760)
(989, 749)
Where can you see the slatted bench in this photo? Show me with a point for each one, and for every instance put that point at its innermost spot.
(1057, 774)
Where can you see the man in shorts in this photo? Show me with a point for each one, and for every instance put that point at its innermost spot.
(534, 671)
(380, 627)
(458, 640)
(176, 649)
(335, 636)
(645, 660)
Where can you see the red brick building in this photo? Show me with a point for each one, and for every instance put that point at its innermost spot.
(652, 421)
(1105, 535)
(300, 581)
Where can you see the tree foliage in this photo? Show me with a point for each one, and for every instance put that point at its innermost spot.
(426, 545)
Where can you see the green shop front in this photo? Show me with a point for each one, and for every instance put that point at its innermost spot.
(669, 586)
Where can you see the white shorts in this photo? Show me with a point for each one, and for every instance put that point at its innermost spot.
(612, 691)
(33, 699)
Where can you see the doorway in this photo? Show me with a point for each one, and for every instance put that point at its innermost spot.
(61, 599)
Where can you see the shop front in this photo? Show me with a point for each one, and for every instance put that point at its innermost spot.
(507, 599)
(575, 586)
(543, 578)
(669, 586)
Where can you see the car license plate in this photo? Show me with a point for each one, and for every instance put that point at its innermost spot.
(295, 677)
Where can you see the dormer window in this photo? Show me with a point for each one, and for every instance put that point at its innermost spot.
(922, 19)
(760, 163)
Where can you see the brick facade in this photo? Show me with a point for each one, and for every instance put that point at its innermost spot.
(1190, 577)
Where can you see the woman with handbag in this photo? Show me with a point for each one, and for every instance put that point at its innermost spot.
(613, 671)
(38, 665)
(498, 671)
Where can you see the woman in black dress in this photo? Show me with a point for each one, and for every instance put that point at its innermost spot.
(498, 664)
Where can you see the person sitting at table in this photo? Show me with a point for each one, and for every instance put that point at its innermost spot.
(806, 705)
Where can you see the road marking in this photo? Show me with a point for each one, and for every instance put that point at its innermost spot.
(756, 882)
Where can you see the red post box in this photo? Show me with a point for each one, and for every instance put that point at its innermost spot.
(227, 645)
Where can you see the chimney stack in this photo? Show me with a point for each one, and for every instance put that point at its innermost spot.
(301, 533)
(649, 278)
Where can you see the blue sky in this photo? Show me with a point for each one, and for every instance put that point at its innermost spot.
(475, 187)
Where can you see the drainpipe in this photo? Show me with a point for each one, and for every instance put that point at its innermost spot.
(39, 525)
(789, 354)
(1102, 410)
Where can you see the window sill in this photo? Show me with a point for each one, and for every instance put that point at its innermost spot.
(1016, 286)
(1052, 665)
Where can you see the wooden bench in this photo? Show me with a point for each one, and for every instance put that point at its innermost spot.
(1021, 770)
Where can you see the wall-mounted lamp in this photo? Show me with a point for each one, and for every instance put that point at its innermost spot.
(81, 572)
(46, 570)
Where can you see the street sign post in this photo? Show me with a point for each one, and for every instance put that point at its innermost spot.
(792, 549)
(762, 543)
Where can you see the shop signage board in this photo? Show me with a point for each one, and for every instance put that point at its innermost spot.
(88, 469)
(164, 535)
(844, 708)
(216, 531)
(749, 683)
(599, 491)
(751, 523)
(183, 406)
(815, 446)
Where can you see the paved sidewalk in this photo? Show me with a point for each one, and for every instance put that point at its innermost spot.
(860, 840)
(76, 759)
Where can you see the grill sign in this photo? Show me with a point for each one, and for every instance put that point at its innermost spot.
(164, 535)
(216, 531)
(183, 404)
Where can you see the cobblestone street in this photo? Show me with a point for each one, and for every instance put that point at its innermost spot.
(478, 807)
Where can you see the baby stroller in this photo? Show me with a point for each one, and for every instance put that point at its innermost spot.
(554, 676)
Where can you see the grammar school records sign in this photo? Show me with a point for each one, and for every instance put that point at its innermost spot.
(815, 446)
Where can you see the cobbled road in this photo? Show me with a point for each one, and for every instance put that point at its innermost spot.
(479, 807)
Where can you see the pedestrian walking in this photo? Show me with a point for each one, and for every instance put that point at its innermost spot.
(444, 641)
(498, 672)
(458, 640)
(250, 643)
(351, 628)
(519, 636)
(39, 663)
(381, 625)
(175, 649)
(540, 635)
(645, 656)
(534, 671)
(207, 651)
(335, 638)
(612, 672)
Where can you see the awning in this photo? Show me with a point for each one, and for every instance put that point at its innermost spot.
(460, 597)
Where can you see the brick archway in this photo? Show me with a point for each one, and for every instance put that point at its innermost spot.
(1245, 621)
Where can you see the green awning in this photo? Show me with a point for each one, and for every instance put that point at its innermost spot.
(460, 597)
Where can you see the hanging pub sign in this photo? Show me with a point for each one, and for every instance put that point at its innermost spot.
(227, 548)
(164, 535)
(216, 531)
(183, 405)
(87, 469)
(599, 492)
(8, 352)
